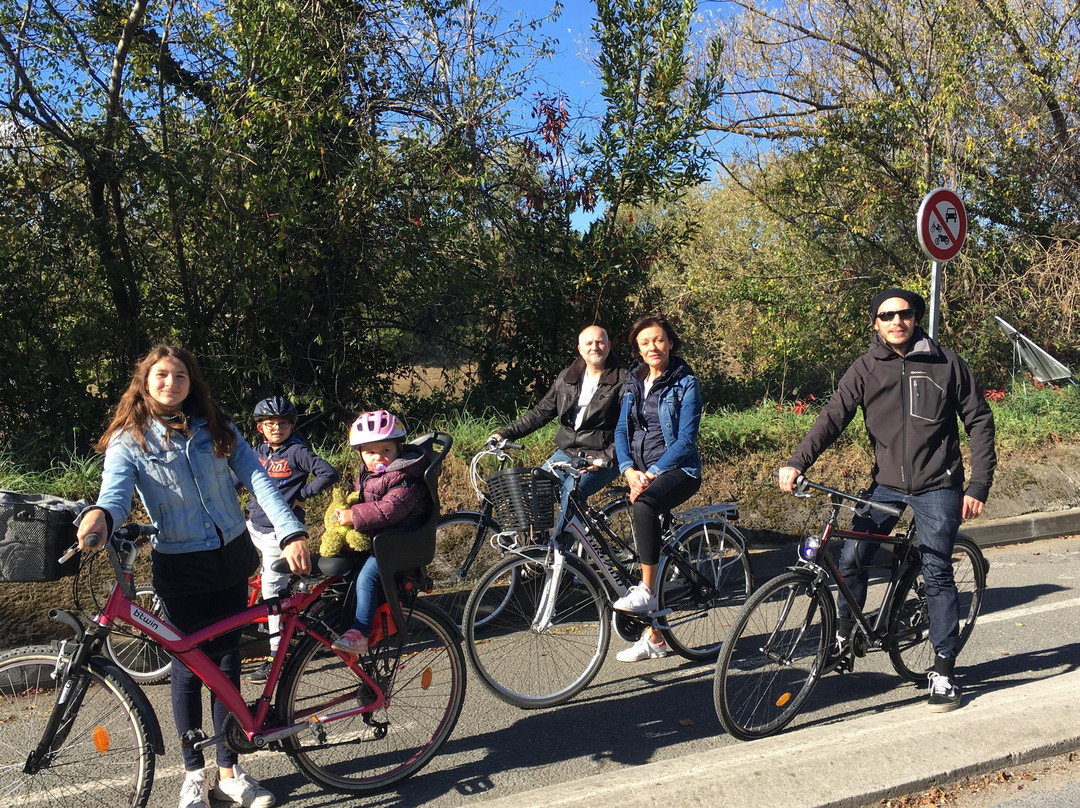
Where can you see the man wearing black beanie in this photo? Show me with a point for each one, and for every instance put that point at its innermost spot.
(911, 391)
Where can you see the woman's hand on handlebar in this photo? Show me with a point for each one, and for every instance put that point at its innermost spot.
(787, 476)
(94, 524)
(299, 557)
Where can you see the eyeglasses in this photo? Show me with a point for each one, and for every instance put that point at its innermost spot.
(887, 316)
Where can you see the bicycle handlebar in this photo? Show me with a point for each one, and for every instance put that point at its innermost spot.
(129, 532)
(802, 484)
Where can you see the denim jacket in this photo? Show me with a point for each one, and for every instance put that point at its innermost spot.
(187, 489)
(679, 408)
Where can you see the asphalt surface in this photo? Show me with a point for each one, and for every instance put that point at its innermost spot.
(856, 762)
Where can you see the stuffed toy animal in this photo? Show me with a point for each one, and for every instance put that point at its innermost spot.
(338, 538)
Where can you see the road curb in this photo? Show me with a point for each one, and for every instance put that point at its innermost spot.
(845, 764)
(1029, 527)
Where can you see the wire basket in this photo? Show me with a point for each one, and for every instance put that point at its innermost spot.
(34, 532)
(523, 499)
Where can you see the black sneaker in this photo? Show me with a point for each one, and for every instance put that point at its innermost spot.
(261, 673)
(944, 695)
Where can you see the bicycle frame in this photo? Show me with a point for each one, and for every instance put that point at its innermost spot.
(187, 648)
(828, 570)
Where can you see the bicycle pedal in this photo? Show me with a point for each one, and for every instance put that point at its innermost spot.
(660, 613)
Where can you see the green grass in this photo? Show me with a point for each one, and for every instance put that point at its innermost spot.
(1022, 418)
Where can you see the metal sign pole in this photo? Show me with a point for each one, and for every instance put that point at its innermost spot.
(936, 269)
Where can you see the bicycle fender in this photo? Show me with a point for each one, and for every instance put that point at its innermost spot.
(101, 664)
(487, 521)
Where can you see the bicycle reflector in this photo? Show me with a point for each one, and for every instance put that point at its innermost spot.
(809, 548)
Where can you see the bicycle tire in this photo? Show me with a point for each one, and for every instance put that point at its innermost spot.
(453, 572)
(757, 693)
(537, 668)
(695, 628)
(142, 658)
(909, 646)
(424, 697)
(106, 757)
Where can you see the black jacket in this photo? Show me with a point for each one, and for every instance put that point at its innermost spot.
(597, 434)
(910, 405)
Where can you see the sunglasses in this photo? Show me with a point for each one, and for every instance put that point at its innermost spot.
(904, 314)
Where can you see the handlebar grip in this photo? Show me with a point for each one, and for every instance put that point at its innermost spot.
(91, 540)
(514, 445)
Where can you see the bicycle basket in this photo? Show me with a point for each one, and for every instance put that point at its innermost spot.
(522, 499)
(34, 531)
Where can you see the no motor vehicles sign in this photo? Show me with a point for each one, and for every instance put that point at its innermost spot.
(942, 225)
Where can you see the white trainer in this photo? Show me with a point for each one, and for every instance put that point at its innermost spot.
(639, 600)
(193, 791)
(643, 649)
(244, 790)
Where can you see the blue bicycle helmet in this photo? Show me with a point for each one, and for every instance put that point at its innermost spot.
(275, 407)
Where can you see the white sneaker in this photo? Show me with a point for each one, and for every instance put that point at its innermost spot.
(193, 791)
(638, 600)
(243, 789)
(643, 649)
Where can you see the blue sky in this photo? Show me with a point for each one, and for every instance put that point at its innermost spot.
(566, 71)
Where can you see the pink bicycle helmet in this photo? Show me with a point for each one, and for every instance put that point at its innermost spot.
(374, 426)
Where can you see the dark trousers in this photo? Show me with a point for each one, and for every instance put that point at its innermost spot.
(668, 491)
(189, 614)
(937, 517)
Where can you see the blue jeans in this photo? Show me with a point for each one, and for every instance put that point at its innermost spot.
(367, 595)
(937, 516)
(590, 482)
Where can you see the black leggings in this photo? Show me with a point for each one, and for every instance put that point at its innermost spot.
(670, 489)
(189, 614)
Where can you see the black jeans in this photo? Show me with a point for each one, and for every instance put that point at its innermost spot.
(189, 614)
(669, 490)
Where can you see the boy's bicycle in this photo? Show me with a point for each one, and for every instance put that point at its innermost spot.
(537, 626)
(470, 542)
(783, 640)
(75, 729)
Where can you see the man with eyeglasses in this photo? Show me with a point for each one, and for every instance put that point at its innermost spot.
(911, 391)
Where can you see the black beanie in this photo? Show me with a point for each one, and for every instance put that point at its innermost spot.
(915, 300)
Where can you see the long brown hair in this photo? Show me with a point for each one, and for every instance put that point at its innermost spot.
(137, 409)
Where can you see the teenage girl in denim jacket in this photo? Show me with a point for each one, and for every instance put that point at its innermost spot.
(170, 441)
(656, 444)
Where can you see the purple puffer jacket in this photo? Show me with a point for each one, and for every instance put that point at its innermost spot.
(396, 498)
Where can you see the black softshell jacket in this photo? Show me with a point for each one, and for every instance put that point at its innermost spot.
(910, 406)
(596, 436)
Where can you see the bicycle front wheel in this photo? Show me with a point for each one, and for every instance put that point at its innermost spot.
(142, 658)
(370, 752)
(537, 636)
(910, 650)
(464, 555)
(103, 752)
(700, 618)
(773, 656)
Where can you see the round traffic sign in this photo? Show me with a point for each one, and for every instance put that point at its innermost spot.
(942, 224)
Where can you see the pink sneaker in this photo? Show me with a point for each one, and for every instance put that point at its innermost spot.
(352, 641)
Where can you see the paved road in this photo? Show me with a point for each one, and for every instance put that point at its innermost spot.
(655, 720)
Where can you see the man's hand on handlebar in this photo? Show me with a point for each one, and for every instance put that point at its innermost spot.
(787, 476)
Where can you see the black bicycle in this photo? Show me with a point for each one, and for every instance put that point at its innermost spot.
(783, 640)
(537, 626)
(470, 543)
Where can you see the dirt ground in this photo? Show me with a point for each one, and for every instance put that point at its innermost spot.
(1040, 478)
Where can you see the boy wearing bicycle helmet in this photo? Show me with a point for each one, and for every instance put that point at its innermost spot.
(392, 494)
(298, 473)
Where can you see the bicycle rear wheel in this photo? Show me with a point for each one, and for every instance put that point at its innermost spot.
(464, 556)
(699, 622)
(365, 753)
(139, 656)
(774, 655)
(909, 646)
(103, 756)
(528, 655)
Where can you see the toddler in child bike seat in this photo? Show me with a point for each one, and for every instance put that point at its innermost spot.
(392, 494)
